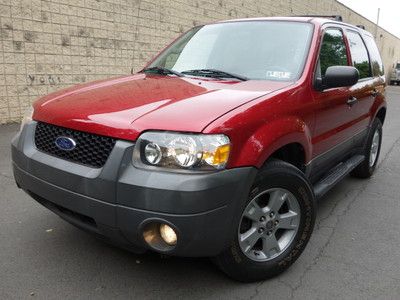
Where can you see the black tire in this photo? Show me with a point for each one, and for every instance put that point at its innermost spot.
(275, 174)
(365, 169)
(391, 82)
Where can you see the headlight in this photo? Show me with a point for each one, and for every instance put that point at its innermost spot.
(152, 153)
(182, 151)
(27, 117)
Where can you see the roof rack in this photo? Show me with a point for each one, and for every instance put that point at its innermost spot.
(334, 17)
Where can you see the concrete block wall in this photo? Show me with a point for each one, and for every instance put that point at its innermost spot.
(46, 45)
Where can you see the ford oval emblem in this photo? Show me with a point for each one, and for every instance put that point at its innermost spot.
(65, 143)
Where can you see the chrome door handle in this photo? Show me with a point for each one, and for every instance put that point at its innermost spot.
(351, 101)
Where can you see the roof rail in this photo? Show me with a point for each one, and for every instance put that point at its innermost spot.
(361, 26)
(334, 17)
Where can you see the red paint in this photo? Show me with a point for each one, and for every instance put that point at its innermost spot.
(126, 106)
(258, 116)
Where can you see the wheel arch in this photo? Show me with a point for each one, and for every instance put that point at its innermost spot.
(381, 114)
(293, 153)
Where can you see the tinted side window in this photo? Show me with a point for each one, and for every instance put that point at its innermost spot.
(333, 50)
(359, 54)
(376, 60)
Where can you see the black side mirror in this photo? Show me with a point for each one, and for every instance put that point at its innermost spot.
(340, 76)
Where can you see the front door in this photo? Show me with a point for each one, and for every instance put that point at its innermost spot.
(335, 113)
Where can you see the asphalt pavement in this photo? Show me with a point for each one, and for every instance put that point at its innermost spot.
(354, 252)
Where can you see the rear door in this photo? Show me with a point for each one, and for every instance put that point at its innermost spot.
(365, 90)
(378, 91)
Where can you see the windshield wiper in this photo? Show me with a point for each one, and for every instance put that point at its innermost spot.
(214, 73)
(164, 71)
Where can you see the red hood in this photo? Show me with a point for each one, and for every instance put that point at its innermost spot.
(126, 106)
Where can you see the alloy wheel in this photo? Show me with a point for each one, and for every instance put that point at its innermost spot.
(269, 224)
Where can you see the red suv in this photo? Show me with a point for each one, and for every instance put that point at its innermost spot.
(219, 147)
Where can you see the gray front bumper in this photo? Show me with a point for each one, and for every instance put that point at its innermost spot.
(120, 198)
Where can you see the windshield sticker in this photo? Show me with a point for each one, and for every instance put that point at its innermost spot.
(279, 74)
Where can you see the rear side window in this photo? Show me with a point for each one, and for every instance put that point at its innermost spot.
(359, 54)
(376, 60)
(333, 50)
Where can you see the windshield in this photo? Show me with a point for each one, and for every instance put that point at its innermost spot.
(398, 66)
(261, 50)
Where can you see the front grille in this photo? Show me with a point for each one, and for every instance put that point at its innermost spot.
(91, 149)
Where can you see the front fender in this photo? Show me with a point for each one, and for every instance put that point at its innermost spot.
(272, 136)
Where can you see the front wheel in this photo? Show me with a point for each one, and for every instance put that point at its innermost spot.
(274, 227)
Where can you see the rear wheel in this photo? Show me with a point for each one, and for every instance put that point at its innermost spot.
(274, 227)
(371, 151)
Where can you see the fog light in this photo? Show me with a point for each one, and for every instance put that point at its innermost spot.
(168, 234)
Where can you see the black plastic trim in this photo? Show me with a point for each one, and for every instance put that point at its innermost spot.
(115, 201)
(323, 163)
